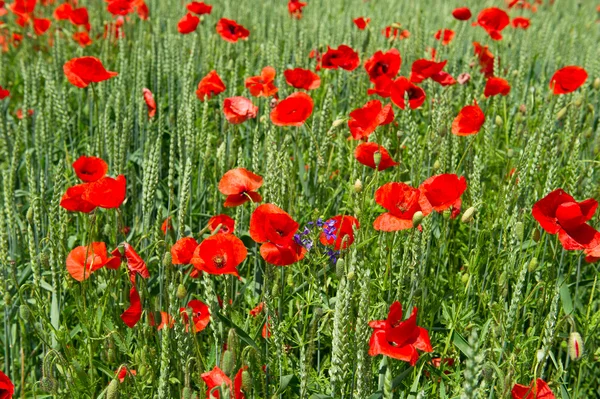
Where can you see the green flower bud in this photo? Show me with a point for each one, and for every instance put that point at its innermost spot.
(351, 276)
(246, 381)
(510, 153)
(181, 291)
(560, 114)
(24, 312)
(575, 346)
(436, 165)
(107, 229)
(578, 101)
(48, 384)
(340, 268)
(232, 342)
(167, 259)
(417, 218)
(596, 83)
(533, 263)
(358, 186)
(536, 235)
(30, 215)
(498, 121)
(377, 158)
(228, 362)
(113, 390)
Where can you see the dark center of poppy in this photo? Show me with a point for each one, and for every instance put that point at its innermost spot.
(219, 261)
(232, 29)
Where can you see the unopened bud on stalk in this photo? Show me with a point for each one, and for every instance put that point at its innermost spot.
(446, 214)
(498, 121)
(246, 381)
(464, 278)
(578, 101)
(24, 312)
(228, 362)
(113, 390)
(417, 218)
(467, 217)
(377, 158)
(30, 215)
(575, 346)
(510, 153)
(351, 276)
(340, 268)
(533, 263)
(596, 83)
(232, 342)
(47, 384)
(181, 291)
(540, 355)
(358, 186)
(337, 122)
(436, 165)
(561, 114)
(536, 235)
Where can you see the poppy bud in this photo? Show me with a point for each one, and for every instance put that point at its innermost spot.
(358, 186)
(340, 268)
(273, 103)
(417, 218)
(464, 278)
(246, 381)
(351, 276)
(377, 158)
(24, 312)
(167, 259)
(30, 215)
(111, 355)
(540, 355)
(181, 291)
(532, 265)
(113, 390)
(510, 153)
(575, 346)
(47, 384)
(560, 114)
(7, 299)
(228, 362)
(515, 73)
(590, 109)
(467, 217)
(107, 229)
(44, 259)
(446, 214)
(337, 123)
(232, 342)
(596, 83)
(519, 230)
(536, 235)
(578, 101)
(498, 121)
(436, 165)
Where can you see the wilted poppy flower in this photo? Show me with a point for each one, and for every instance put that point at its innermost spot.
(231, 31)
(486, 59)
(383, 64)
(80, 17)
(62, 12)
(106, 192)
(339, 231)
(445, 35)
(293, 111)
(183, 251)
(493, 20)
(295, 8)
(423, 69)
(188, 24)
(302, 79)
(462, 13)
(82, 261)
(443, 78)
(559, 213)
(7, 389)
(199, 7)
(85, 70)
(463, 78)
(224, 223)
(200, 315)
(495, 86)
(538, 389)
(442, 192)
(365, 154)
(238, 109)
(83, 38)
(41, 25)
(401, 202)
(568, 79)
(363, 121)
(123, 372)
(90, 169)
(342, 57)
(220, 254)
(4, 93)
(361, 22)
(397, 338)
(262, 85)
(521, 22)
(402, 87)
(274, 229)
(134, 312)
(150, 103)
(135, 263)
(240, 185)
(166, 321)
(209, 86)
(468, 121)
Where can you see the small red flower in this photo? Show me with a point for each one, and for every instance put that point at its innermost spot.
(166, 321)
(209, 86)
(90, 169)
(240, 185)
(4, 93)
(262, 85)
(486, 59)
(445, 35)
(293, 111)
(423, 69)
(343, 232)
(220, 254)
(41, 25)
(123, 372)
(257, 309)
(239, 109)
(214, 379)
(363, 121)
(361, 22)
(568, 79)
(383, 64)
(166, 225)
(493, 20)
(85, 70)
(83, 38)
(224, 224)
(183, 251)
(538, 389)
(62, 12)
(7, 389)
(365, 152)
(134, 312)
(397, 338)
(295, 8)
(521, 22)
(199, 7)
(343, 57)
(82, 261)
(120, 7)
(188, 24)
(442, 192)
(150, 103)
(495, 86)
(80, 17)
(462, 13)
(302, 79)
(402, 87)
(231, 31)
(401, 201)
(394, 32)
(200, 315)
(468, 121)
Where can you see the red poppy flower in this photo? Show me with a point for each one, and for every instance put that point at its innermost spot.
(397, 338)
(106, 192)
(342, 234)
(295, 8)
(20, 7)
(188, 24)
(538, 389)
(402, 87)
(4, 93)
(274, 229)
(266, 330)
(183, 251)
(90, 169)
(166, 321)
(363, 121)
(200, 315)
(80, 17)
(365, 152)
(568, 79)
(240, 185)
(62, 12)
(493, 20)
(85, 70)
(443, 78)
(262, 85)
(41, 25)
(401, 201)
(199, 7)
(237, 383)
(462, 13)
(150, 103)
(521, 22)
(120, 7)
(495, 86)
(423, 69)
(383, 64)
(486, 59)
(224, 223)
(592, 254)
(238, 109)
(166, 225)
(257, 309)
(82, 261)
(123, 372)
(142, 10)
(559, 213)
(72, 200)
(134, 312)
(302, 79)
(83, 38)
(361, 22)
(343, 57)
(7, 389)
(293, 111)
(214, 379)
(383, 87)
(445, 35)
(468, 121)
(394, 32)
(209, 86)
(442, 192)
(220, 254)
(231, 31)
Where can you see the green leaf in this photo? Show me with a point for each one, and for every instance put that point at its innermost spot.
(565, 297)
(241, 333)
(460, 342)
(286, 381)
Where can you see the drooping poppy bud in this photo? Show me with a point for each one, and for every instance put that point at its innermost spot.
(575, 346)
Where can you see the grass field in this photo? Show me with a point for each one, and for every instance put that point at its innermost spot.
(185, 215)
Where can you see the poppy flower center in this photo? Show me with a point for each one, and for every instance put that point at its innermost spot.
(219, 261)
(231, 29)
